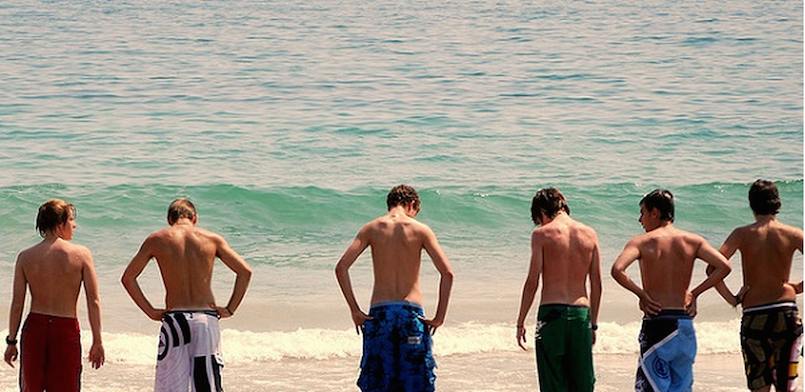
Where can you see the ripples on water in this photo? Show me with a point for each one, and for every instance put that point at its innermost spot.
(341, 95)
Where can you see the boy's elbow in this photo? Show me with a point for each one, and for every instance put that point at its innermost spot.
(129, 282)
(94, 304)
(614, 272)
(126, 281)
(619, 276)
(246, 273)
(340, 270)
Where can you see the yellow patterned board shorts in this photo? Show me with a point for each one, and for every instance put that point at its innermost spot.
(771, 339)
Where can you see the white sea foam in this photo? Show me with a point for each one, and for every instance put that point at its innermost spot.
(464, 339)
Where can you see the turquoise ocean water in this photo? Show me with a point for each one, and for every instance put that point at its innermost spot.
(287, 122)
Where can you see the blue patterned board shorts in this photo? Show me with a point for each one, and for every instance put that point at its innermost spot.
(397, 353)
(667, 352)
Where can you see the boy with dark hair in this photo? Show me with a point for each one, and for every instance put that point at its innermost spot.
(397, 336)
(401, 195)
(564, 254)
(771, 329)
(666, 256)
(548, 201)
(663, 201)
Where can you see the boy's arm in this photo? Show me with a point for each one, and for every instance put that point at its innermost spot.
(436, 254)
(728, 248)
(629, 255)
(90, 279)
(20, 286)
(243, 275)
(725, 292)
(798, 235)
(596, 288)
(721, 268)
(359, 244)
(529, 287)
(129, 280)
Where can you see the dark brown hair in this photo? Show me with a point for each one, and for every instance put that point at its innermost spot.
(764, 198)
(401, 195)
(663, 201)
(548, 201)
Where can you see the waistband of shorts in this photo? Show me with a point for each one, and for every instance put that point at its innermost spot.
(669, 314)
(396, 304)
(38, 317)
(207, 312)
(774, 305)
(563, 306)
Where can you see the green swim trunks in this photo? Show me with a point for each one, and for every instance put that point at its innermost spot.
(564, 343)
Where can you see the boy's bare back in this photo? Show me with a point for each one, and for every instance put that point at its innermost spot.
(54, 271)
(396, 242)
(186, 256)
(569, 249)
(667, 256)
(767, 248)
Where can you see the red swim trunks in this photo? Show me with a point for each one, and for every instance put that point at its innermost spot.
(50, 354)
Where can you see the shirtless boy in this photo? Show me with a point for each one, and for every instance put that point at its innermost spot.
(189, 340)
(397, 337)
(565, 253)
(771, 330)
(53, 271)
(666, 255)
